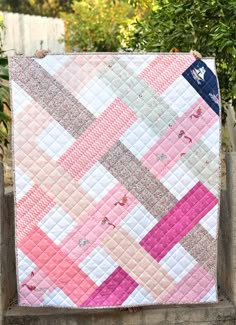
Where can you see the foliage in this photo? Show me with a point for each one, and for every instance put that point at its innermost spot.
(102, 25)
(51, 8)
(207, 26)
(4, 95)
(95, 25)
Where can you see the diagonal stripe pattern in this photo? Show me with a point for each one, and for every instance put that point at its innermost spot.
(116, 179)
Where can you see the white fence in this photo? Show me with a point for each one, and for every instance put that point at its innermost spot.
(25, 34)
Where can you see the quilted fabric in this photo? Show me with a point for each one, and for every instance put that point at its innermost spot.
(116, 162)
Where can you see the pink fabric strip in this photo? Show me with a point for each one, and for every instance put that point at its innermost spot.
(185, 132)
(33, 207)
(58, 266)
(192, 288)
(160, 79)
(97, 139)
(179, 221)
(113, 291)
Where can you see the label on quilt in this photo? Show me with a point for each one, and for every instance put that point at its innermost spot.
(116, 163)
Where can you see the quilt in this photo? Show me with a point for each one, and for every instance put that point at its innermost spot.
(116, 168)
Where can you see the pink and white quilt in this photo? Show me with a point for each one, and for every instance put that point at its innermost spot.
(116, 166)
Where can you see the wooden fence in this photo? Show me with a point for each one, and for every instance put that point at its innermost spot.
(25, 34)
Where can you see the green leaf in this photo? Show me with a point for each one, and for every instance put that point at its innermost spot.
(4, 117)
(3, 76)
(234, 90)
(228, 43)
(3, 62)
(5, 125)
(6, 88)
(4, 93)
(4, 71)
(3, 135)
(179, 11)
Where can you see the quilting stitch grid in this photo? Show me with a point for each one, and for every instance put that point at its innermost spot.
(116, 179)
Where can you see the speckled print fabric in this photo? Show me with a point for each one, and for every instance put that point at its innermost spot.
(116, 167)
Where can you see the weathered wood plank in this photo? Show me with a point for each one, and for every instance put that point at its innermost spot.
(7, 249)
(231, 220)
(175, 314)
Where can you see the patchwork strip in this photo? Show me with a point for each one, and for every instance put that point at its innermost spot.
(202, 247)
(179, 221)
(114, 291)
(97, 139)
(31, 209)
(160, 79)
(138, 180)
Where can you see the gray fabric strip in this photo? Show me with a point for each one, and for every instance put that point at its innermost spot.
(202, 246)
(51, 95)
(139, 96)
(201, 161)
(125, 167)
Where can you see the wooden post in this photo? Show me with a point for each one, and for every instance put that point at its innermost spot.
(7, 248)
(231, 200)
(1, 242)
